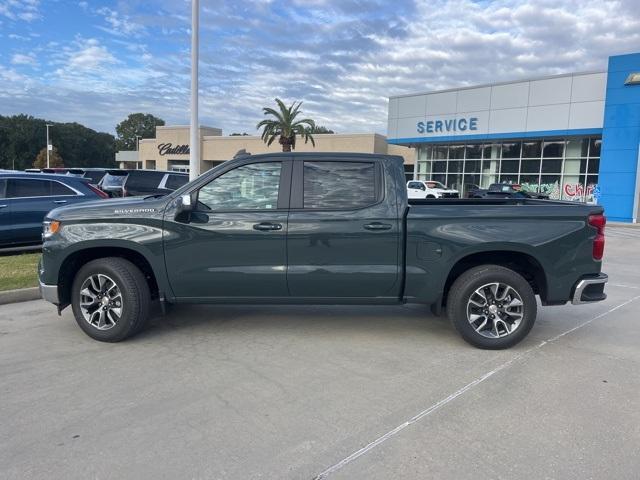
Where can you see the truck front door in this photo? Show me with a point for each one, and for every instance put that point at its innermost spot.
(344, 232)
(234, 243)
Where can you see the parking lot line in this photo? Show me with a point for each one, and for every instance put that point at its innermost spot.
(424, 413)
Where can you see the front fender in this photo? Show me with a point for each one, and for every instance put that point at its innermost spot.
(105, 239)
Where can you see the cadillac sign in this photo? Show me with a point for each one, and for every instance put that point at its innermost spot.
(169, 149)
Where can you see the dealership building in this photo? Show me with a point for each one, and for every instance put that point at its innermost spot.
(169, 150)
(574, 136)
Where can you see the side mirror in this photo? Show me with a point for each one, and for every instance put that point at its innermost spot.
(184, 206)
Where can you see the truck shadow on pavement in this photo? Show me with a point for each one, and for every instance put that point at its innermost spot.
(203, 320)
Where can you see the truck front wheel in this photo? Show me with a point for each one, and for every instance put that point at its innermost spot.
(110, 299)
(492, 307)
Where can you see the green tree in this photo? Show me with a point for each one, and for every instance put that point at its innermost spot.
(22, 137)
(141, 125)
(285, 127)
(319, 129)
(55, 160)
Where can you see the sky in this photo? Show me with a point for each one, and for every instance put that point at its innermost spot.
(94, 62)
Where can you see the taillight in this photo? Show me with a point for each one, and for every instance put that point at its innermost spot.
(598, 221)
(97, 191)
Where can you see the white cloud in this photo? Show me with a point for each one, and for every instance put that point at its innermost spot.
(21, 59)
(27, 10)
(119, 24)
(341, 59)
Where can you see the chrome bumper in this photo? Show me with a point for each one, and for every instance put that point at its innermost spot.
(590, 289)
(49, 293)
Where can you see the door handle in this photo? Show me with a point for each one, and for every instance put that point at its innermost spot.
(377, 226)
(3, 206)
(267, 226)
(59, 201)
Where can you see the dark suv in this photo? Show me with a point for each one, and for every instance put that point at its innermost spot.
(131, 183)
(25, 199)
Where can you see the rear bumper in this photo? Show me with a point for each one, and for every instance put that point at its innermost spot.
(590, 289)
(49, 293)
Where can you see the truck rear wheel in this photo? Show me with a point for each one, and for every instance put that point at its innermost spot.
(492, 307)
(110, 299)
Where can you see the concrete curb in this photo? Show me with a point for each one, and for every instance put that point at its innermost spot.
(623, 225)
(19, 295)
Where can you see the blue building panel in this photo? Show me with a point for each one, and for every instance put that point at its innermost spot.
(629, 113)
(620, 140)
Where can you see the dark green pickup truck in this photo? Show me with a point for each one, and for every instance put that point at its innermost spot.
(321, 229)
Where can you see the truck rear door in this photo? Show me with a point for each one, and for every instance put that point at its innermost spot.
(344, 231)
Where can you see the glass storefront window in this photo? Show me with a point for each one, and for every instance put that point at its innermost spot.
(491, 151)
(510, 166)
(561, 168)
(530, 166)
(455, 166)
(440, 153)
(511, 150)
(456, 152)
(573, 166)
(509, 178)
(471, 182)
(532, 149)
(573, 187)
(530, 183)
(439, 177)
(550, 185)
(473, 152)
(577, 148)
(553, 149)
(440, 167)
(551, 165)
(472, 166)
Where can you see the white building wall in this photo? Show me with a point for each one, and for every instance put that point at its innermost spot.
(564, 102)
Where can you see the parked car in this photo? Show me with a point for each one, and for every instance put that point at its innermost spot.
(430, 189)
(131, 183)
(26, 198)
(317, 228)
(505, 190)
(94, 175)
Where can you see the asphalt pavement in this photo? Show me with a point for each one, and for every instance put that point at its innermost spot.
(234, 392)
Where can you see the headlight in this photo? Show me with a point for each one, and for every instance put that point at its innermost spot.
(49, 227)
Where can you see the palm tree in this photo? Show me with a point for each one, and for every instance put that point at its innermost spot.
(285, 126)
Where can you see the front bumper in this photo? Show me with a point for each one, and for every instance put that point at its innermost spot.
(590, 289)
(49, 293)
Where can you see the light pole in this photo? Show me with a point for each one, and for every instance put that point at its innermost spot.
(194, 151)
(48, 145)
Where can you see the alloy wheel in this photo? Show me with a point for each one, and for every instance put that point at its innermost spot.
(101, 301)
(495, 310)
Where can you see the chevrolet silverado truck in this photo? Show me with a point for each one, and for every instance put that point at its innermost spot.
(316, 228)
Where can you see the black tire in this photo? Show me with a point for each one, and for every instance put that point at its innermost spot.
(462, 291)
(430, 196)
(135, 298)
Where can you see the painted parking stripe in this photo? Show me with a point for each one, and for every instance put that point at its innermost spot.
(383, 438)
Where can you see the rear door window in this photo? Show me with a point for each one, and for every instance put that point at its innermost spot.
(176, 181)
(23, 187)
(339, 185)
(144, 180)
(59, 189)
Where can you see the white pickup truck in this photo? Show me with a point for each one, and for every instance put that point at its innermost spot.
(430, 189)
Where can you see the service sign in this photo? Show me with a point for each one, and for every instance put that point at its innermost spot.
(448, 126)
